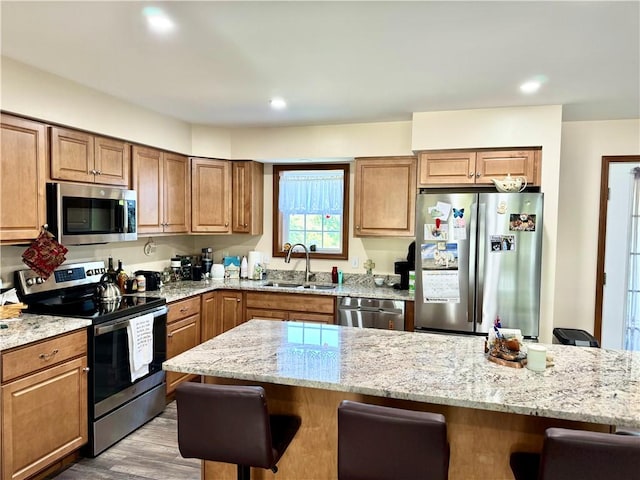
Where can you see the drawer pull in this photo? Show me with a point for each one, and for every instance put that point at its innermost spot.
(184, 309)
(48, 356)
(86, 369)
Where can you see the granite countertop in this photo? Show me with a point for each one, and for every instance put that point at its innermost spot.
(32, 328)
(179, 290)
(585, 384)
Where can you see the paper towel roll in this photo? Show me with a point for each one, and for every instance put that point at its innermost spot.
(253, 258)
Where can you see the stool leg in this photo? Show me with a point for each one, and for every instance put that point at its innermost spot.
(244, 472)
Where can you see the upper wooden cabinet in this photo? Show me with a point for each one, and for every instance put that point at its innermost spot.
(82, 157)
(161, 180)
(210, 195)
(247, 192)
(385, 196)
(466, 167)
(22, 179)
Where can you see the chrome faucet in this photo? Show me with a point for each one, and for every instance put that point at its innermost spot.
(307, 269)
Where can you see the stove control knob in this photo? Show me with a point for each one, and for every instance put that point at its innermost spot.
(39, 280)
(89, 273)
(30, 281)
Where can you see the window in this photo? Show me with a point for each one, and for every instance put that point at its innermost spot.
(310, 206)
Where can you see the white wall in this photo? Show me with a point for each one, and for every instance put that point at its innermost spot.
(38, 94)
(583, 146)
(508, 127)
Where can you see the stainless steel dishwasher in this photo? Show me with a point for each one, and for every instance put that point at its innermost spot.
(371, 313)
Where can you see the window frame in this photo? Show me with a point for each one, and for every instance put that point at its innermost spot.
(277, 240)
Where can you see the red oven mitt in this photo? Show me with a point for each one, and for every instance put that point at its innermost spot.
(44, 255)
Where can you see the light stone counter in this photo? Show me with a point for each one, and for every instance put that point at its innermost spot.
(179, 290)
(32, 328)
(585, 384)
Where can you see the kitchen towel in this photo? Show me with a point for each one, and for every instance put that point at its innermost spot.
(140, 335)
(44, 254)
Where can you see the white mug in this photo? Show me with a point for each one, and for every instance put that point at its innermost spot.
(536, 357)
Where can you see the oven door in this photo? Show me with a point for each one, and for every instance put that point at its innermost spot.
(110, 373)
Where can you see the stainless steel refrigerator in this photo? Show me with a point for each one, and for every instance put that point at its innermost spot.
(478, 258)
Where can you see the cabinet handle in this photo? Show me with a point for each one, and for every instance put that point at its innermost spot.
(86, 369)
(237, 299)
(478, 175)
(357, 227)
(98, 172)
(48, 356)
(184, 309)
(471, 174)
(92, 172)
(245, 225)
(226, 224)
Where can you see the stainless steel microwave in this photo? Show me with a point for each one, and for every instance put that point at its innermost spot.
(87, 214)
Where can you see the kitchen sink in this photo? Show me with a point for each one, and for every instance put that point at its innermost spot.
(283, 284)
(311, 286)
(318, 286)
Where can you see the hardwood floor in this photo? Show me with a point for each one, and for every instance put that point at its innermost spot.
(151, 452)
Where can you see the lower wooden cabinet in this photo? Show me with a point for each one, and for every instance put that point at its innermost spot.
(183, 333)
(44, 410)
(290, 306)
(230, 308)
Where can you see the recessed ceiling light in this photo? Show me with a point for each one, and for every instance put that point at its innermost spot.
(157, 20)
(531, 86)
(278, 103)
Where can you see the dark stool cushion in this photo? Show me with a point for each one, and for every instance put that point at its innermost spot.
(579, 454)
(384, 443)
(231, 424)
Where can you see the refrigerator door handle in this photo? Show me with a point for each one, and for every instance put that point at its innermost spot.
(473, 255)
(479, 250)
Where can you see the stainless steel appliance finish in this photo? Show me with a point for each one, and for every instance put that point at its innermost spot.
(482, 263)
(371, 313)
(117, 406)
(86, 214)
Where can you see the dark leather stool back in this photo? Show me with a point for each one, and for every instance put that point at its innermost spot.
(579, 454)
(383, 443)
(231, 424)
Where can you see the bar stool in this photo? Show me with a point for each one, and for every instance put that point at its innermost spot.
(580, 454)
(384, 443)
(231, 424)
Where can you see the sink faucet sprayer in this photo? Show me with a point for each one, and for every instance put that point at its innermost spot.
(307, 269)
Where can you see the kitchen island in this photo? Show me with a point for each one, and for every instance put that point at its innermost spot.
(490, 409)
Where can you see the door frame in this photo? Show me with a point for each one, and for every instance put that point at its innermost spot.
(607, 160)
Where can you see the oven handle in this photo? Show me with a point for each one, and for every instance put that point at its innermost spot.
(102, 329)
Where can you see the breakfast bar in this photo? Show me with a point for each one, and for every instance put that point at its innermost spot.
(490, 409)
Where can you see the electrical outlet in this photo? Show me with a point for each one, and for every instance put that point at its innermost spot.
(354, 262)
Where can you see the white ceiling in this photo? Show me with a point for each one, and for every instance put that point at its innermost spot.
(338, 62)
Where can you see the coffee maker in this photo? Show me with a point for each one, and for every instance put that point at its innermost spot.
(403, 268)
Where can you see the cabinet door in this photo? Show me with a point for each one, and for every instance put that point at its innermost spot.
(44, 418)
(22, 179)
(210, 196)
(177, 194)
(72, 155)
(499, 164)
(447, 168)
(181, 336)
(229, 310)
(247, 203)
(112, 161)
(208, 313)
(148, 182)
(385, 195)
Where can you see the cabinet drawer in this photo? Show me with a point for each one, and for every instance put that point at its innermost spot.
(25, 360)
(183, 308)
(291, 302)
(266, 314)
